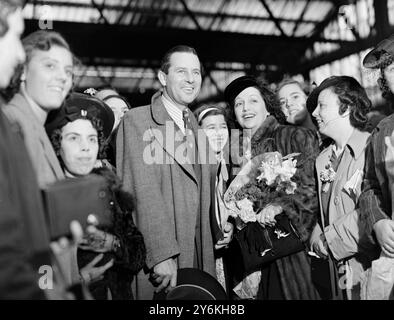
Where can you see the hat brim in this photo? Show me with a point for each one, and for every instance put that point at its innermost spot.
(72, 108)
(311, 102)
(193, 284)
(375, 58)
(237, 86)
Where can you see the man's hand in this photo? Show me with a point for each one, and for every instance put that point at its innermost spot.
(384, 230)
(320, 247)
(165, 275)
(228, 231)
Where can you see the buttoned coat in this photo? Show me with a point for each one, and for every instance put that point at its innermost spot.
(342, 231)
(170, 194)
(38, 145)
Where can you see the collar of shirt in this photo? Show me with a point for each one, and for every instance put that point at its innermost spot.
(356, 143)
(174, 112)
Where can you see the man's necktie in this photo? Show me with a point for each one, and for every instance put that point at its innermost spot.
(186, 120)
(189, 137)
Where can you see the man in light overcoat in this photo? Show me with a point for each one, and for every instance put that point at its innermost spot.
(172, 190)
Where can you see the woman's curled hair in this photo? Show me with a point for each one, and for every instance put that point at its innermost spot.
(56, 138)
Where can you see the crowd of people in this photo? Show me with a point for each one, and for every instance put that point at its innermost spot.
(169, 173)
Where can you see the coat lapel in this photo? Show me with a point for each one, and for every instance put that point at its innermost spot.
(171, 137)
(321, 162)
(22, 104)
(357, 143)
(341, 175)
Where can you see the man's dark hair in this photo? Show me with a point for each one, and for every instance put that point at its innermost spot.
(6, 8)
(165, 62)
(352, 96)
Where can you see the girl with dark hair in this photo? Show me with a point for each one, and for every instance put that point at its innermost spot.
(255, 109)
(213, 121)
(107, 259)
(41, 84)
(341, 108)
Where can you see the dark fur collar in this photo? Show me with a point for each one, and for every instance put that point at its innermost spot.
(265, 130)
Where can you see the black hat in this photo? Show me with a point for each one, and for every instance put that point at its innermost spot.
(237, 86)
(194, 284)
(380, 53)
(80, 106)
(311, 102)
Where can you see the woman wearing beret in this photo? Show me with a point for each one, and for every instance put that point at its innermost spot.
(108, 259)
(41, 85)
(341, 107)
(256, 111)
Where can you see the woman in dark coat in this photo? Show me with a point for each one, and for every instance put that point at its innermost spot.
(255, 108)
(108, 259)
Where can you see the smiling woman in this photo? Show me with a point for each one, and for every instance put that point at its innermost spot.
(256, 108)
(41, 84)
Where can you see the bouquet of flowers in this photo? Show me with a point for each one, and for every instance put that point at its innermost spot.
(263, 180)
(266, 179)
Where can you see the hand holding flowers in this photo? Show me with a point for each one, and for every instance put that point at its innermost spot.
(270, 179)
(266, 216)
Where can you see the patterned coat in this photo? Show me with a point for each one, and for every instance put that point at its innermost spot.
(170, 195)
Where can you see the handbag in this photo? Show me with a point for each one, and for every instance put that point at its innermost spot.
(77, 199)
(257, 245)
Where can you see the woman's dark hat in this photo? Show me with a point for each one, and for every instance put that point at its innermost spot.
(194, 284)
(380, 53)
(311, 102)
(80, 106)
(237, 86)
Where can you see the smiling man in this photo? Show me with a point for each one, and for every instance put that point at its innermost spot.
(173, 195)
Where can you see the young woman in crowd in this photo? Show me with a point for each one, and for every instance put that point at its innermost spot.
(257, 113)
(78, 132)
(213, 121)
(41, 85)
(292, 101)
(119, 106)
(341, 108)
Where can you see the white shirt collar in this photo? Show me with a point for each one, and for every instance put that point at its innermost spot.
(174, 112)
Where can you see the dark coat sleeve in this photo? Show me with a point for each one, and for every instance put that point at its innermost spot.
(303, 207)
(375, 201)
(132, 252)
(17, 277)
